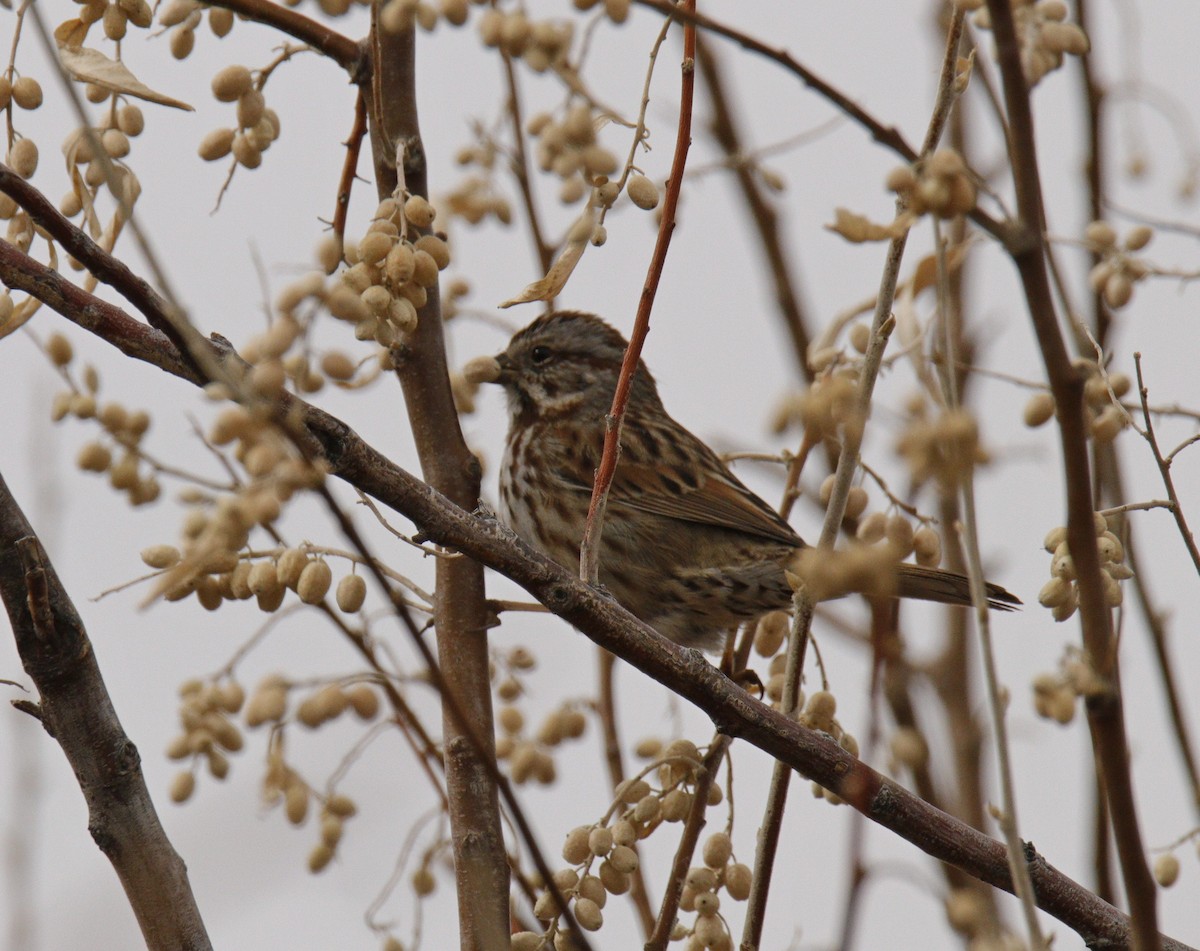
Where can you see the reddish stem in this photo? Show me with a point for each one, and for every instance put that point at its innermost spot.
(589, 555)
(349, 169)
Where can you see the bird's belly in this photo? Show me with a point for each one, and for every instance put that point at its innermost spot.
(542, 517)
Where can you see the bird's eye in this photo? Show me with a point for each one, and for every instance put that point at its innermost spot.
(539, 355)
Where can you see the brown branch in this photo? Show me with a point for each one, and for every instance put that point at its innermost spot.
(349, 170)
(519, 165)
(1164, 468)
(1109, 482)
(1105, 712)
(473, 782)
(888, 136)
(589, 551)
(104, 266)
(1156, 625)
(76, 710)
(1094, 165)
(607, 710)
(108, 321)
(1101, 827)
(344, 51)
(688, 840)
(734, 712)
(762, 211)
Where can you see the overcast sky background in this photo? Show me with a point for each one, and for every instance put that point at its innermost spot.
(722, 361)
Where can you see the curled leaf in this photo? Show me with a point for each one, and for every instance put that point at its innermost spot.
(550, 286)
(20, 316)
(92, 66)
(71, 33)
(859, 229)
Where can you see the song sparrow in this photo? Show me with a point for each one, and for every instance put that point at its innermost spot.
(686, 546)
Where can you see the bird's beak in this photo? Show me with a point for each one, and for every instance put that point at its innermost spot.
(505, 366)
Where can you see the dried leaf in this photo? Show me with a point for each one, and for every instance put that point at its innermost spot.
(962, 72)
(555, 280)
(20, 316)
(92, 66)
(71, 33)
(925, 273)
(859, 229)
(79, 186)
(908, 323)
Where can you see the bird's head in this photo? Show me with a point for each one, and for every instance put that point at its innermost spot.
(567, 362)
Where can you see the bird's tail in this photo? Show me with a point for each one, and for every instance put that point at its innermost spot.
(949, 587)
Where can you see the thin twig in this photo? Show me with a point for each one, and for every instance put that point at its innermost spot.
(997, 695)
(353, 145)
(803, 603)
(1138, 507)
(1156, 624)
(396, 533)
(638, 139)
(519, 165)
(753, 158)
(499, 605)
(1164, 468)
(607, 709)
(589, 552)
(1172, 409)
(847, 464)
(1190, 441)
(427, 753)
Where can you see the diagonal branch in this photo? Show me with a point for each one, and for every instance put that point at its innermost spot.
(885, 135)
(1164, 468)
(76, 710)
(342, 50)
(762, 210)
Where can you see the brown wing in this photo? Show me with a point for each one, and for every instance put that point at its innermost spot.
(667, 471)
(719, 500)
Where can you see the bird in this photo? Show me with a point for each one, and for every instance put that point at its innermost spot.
(686, 547)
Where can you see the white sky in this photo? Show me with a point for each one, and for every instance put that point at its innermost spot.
(722, 362)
